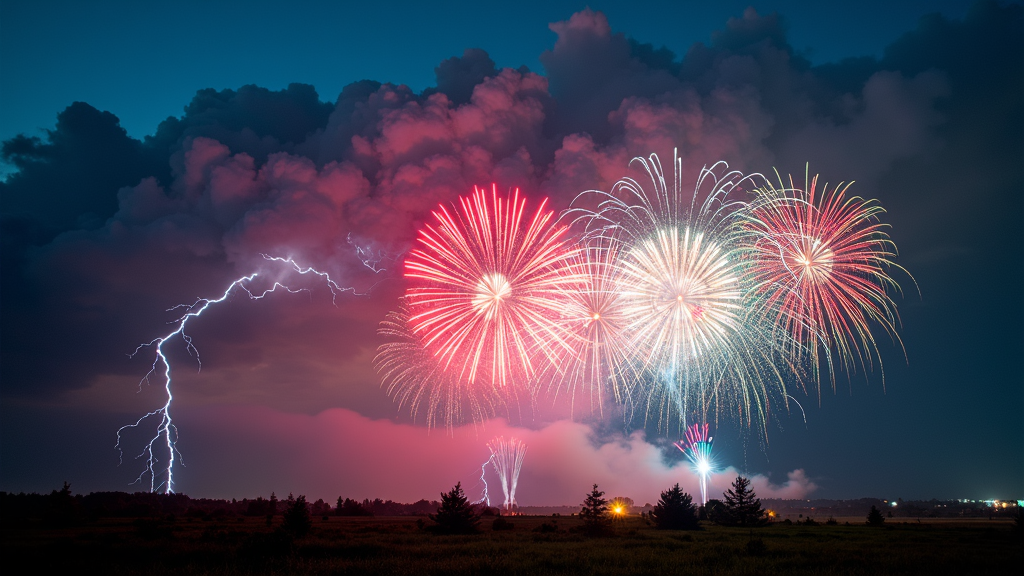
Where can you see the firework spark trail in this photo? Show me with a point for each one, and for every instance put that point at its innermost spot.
(482, 311)
(687, 305)
(804, 414)
(697, 448)
(416, 378)
(507, 459)
(166, 431)
(694, 346)
(593, 321)
(821, 263)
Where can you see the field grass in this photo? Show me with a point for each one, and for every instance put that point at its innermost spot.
(398, 546)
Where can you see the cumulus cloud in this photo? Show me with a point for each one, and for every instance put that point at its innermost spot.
(102, 232)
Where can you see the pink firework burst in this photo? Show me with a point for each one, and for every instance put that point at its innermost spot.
(484, 297)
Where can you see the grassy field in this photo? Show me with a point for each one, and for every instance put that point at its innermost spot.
(398, 546)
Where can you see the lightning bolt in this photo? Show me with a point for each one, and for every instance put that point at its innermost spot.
(369, 257)
(166, 436)
(483, 473)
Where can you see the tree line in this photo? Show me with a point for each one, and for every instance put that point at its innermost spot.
(675, 510)
(61, 507)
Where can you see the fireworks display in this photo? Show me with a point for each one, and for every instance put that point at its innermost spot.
(482, 315)
(590, 349)
(820, 261)
(698, 345)
(697, 448)
(485, 282)
(507, 460)
(681, 305)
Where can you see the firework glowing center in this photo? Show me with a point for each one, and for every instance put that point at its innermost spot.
(679, 290)
(490, 292)
(814, 260)
(483, 307)
(685, 305)
(697, 447)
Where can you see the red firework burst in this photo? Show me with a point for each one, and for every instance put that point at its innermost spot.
(820, 266)
(485, 283)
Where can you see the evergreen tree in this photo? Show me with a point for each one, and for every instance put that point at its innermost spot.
(742, 506)
(455, 515)
(349, 507)
(596, 520)
(63, 509)
(675, 511)
(875, 517)
(296, 517)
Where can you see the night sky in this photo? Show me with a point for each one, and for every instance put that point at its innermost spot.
(152, 152)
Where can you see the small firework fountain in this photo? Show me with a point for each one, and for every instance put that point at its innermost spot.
(507, 459)
(697, 448)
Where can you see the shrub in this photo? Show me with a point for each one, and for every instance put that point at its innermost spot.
(500, 524)
(713, 511)
(546, 528)
(756, 547)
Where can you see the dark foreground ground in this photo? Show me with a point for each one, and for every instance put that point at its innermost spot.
(343, 545)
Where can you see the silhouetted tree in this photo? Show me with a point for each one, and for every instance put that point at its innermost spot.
(319, 508)
(675, 511)
(455, 515)
(875, 517)
(713, 511)
(258, 507)
(296, 517)
(349, 507)
(596, 520)
(742, 506)
(63, 509)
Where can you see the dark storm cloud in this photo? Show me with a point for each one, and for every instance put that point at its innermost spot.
(65, 182)
(932, 129)
(457, 77)
(251, 119)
